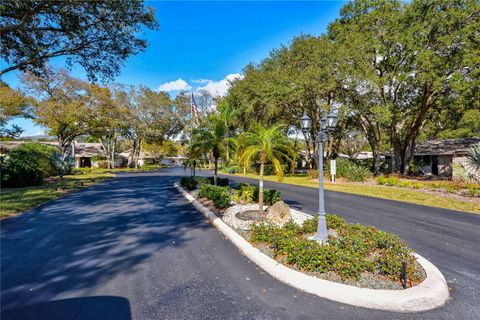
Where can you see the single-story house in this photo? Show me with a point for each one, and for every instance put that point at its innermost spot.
(438, 156)
(84, 153)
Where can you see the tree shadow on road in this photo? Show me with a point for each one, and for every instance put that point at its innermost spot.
(90, 237)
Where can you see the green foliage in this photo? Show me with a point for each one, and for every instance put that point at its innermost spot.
(28, 165)
(417, 185)
(388, 181)
(473, 189)
(248, 193)
(188, 183)
(406, 184)
(98, 35)
(349, 170)
(219, 195)
(221, 182)
(357, 249)
(244, 193)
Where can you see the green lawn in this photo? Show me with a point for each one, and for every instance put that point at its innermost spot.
(20, 199)
(385, 192)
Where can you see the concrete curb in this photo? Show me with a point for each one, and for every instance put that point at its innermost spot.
(431, 293)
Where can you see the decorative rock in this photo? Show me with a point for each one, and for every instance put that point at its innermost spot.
(279, 213)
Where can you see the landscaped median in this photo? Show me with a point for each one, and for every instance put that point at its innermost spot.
(355, 260)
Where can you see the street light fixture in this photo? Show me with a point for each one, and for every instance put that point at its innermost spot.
(328, 123)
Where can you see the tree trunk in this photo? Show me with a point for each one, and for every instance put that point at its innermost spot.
(260, 189)
(215, 174)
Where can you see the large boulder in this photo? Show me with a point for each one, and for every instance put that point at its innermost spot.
(279, 213)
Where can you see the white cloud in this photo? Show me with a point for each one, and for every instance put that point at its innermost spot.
(176, 85)
(218, 88)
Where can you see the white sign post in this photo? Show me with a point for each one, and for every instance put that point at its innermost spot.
(333, 169)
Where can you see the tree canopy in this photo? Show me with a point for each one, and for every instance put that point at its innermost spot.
(98, 35)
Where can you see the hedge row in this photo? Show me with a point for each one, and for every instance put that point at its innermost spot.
(191, 183)
(219, 195)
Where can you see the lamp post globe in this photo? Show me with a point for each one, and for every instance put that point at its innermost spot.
(305, 123)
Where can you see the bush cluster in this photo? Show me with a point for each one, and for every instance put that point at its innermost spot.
(388, 181)
(355, 250)
(219, 195)
(248, 193)
(345, 169)
(29, 165)
(221, 182)
(351, 171)
(189, 183)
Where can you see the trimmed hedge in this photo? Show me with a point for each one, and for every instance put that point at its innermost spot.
(188, 183)
(221, 182)
(219, 195)
(355, 250)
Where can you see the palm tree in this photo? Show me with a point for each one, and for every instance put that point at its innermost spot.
(211, 139)
(268, 145)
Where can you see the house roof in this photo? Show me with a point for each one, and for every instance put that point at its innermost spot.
(445, 147)
(88, 149)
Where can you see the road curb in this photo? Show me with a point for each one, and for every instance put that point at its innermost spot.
(431, 293)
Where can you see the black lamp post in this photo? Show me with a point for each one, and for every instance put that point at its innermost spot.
(327, 125)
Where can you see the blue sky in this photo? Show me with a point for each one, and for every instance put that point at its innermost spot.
(200, 43)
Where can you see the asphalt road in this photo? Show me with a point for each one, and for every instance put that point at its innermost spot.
(133, 248)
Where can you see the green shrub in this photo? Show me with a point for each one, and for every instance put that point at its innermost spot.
(417, 185)
(406, 184)
(244, 193)
(202, 180)
(381, 180)
(473, 189)
(269, 196)
(355, 250)
(219, 195)
(388, 181)
(450, 188)
(29, 165)
(221, 182)
(351, 171)
(188, 183)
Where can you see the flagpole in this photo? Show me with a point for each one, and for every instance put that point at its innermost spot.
(191, 131)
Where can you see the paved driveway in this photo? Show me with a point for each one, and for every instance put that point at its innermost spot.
(133, 248)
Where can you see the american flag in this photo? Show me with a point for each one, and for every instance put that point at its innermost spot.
(195, 115)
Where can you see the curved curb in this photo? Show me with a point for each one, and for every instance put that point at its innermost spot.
(431, 293)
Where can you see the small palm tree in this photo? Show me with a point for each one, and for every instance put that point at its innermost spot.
(470, 169)
(268, 145)
(211, 139)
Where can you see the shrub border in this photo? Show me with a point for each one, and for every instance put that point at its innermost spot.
(431, 293)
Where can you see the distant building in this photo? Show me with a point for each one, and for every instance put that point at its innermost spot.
(87, 154)
(438, 156)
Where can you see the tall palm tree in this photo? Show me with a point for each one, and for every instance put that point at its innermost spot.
(268, 145)
(211, 139)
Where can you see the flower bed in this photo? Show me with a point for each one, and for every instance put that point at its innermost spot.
(451, 187)
(355, 254)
